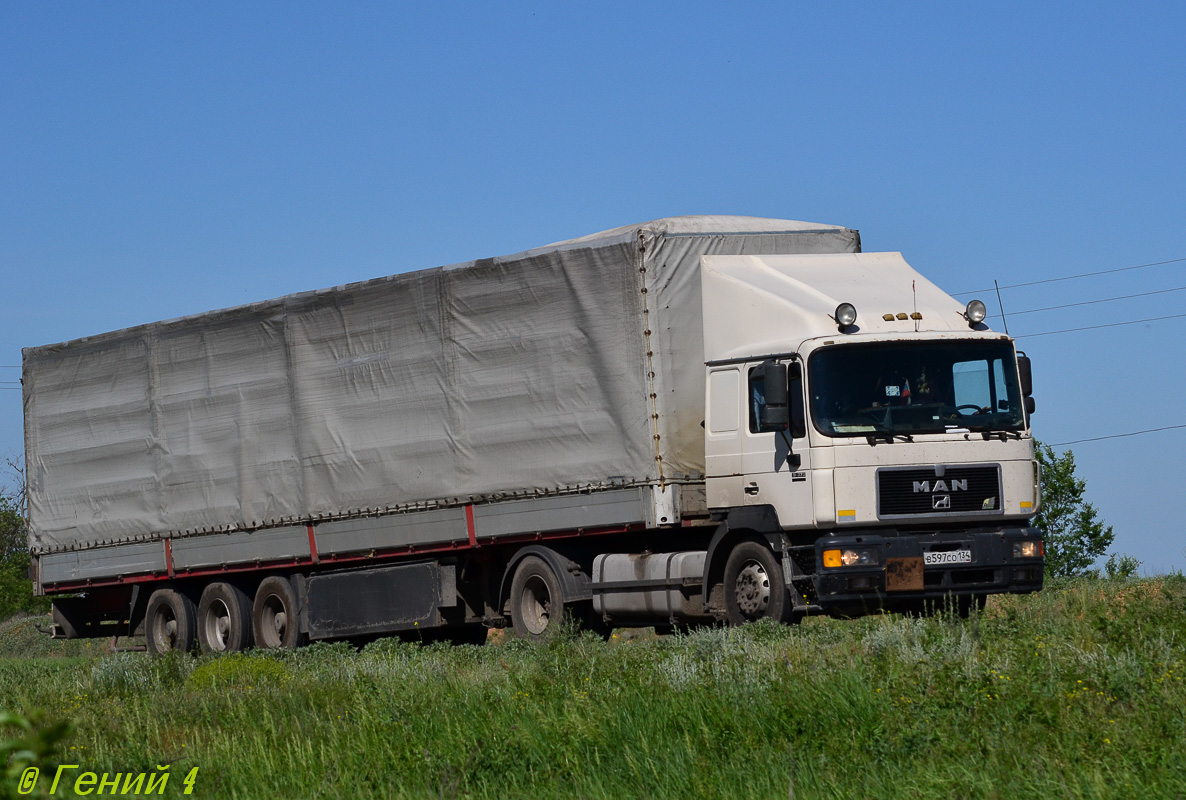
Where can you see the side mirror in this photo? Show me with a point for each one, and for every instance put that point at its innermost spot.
(775, 418)
(775, 414)
(776, 384)
(1027, 375)
(1029, 405)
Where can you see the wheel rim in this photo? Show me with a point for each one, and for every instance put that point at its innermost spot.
(535, 605)
(164, 629)
(752, 590)
(274, 621)
(218, 626)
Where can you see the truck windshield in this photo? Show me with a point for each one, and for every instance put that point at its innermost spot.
(915, 387)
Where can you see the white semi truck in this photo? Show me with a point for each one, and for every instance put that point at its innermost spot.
(691, 420)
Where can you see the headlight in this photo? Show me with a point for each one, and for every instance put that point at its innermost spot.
(975, 312)
(1026, 550)
(850, 558)
(846, 314)
(853, 558)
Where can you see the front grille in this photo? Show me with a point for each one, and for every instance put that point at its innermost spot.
(920, 492)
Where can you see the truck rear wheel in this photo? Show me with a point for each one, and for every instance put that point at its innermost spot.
(537, 601)
(754, 586)
(274, 614)
(224, 619)
(169, 622)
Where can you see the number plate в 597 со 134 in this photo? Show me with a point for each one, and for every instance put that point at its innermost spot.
(948, 557)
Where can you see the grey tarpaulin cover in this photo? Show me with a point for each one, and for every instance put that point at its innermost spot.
(527, 373)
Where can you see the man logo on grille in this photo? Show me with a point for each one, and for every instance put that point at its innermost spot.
(941, 486)
(941, 502)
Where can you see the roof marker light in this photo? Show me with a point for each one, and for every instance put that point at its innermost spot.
(846, 314)
(975, 312)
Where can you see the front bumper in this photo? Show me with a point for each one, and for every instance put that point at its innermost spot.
(897, 576)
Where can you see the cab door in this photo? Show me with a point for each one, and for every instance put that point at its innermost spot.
(776, 464)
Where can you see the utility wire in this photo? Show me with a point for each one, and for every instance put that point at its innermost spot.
(1095, 302)
(1074, 277)
(1118, 435)
(1096, 327)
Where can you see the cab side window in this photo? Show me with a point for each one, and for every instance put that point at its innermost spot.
(757, 401)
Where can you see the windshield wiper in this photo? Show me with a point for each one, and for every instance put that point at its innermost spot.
(883, 433)
(989, 433)
(889, 437)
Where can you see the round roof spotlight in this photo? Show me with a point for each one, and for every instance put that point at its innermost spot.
(846, 314)
(975, 312)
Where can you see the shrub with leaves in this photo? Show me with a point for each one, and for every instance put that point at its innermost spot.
(34, 745)
(1075, 536)
(16, 590)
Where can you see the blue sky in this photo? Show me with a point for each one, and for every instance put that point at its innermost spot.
(158, 160)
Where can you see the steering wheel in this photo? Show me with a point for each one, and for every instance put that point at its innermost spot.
(975, 409)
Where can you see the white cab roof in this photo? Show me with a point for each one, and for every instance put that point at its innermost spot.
(776, 302)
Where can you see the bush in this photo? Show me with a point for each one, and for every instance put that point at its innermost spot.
(1074, 534)
(16, 589)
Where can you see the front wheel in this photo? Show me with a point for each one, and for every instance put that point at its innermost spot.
(754, 585)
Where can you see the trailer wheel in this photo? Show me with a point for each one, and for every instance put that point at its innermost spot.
(224, 619)
(754, 586)
(169, 622)
(274, 614)
(537, 601)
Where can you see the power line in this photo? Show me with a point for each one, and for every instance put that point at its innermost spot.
(1074, 277)
(1094, 302)
(1096, 327)
(1118, 435)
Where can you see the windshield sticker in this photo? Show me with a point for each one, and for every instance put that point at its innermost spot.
(893, 391)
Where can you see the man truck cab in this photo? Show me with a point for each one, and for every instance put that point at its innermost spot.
(881, 424)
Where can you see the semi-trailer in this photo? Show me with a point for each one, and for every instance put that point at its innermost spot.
(694, 420)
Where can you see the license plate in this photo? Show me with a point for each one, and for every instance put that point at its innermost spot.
(947, 557)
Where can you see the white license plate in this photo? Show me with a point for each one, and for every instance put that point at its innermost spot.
(947, 557)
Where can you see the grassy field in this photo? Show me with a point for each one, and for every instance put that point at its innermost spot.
(1075, 692)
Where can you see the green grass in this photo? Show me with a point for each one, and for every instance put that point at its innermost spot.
(1075, 692)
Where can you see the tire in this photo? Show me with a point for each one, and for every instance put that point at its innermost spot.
(169, 622)
(275, 620)
(224, 619)
(754, 586)
(537, 601)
